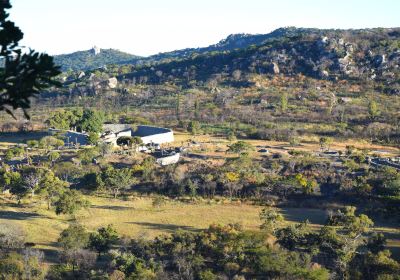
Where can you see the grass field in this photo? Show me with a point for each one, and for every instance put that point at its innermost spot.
(138, 218)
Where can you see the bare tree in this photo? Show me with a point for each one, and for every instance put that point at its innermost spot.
(31, 182)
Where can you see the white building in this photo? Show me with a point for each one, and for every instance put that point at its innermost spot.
(154, 135)
(148, 134)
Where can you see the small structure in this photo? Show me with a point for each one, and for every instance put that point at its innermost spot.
(96, 50)
(166, 157)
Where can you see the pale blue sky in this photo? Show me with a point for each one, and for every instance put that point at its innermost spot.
(150, 26)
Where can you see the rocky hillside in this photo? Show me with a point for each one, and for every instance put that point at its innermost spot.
(93, 58)
(367, 55)
(87, 60)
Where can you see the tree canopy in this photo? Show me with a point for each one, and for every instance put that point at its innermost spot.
(22, 74)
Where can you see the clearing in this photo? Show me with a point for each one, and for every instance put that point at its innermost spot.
(137, 217)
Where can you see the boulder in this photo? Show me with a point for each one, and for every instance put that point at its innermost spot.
(81, 75)
(275, 68)
(112, 82)
(324, 74)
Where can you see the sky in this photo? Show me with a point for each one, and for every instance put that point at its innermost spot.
(145, 27)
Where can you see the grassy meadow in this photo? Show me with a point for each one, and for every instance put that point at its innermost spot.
(136, 217)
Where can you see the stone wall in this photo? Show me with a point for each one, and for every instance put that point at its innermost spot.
(73, 137)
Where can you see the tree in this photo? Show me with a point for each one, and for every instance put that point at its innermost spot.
(192, 186)
(54, 156)
(117, 179)
(22, 74)
(284, 102)
(373, 110)
(295, 236)
(352, 224)
(65, 119)
(196, 109)
(13, 181)
(125, 141)
(32, 143)
(93, 138)
(129, 141)
(342, 245)
(70, 202)
(231, 182)
(87, 155)
(74, 237)
(82, 262)
(240, 147)
(105, 148)
(92, 121)
(51, 187)
(50, 142)
(194, 127)
(103, 239)
(59, 119)
(325, 142)
(67, 171)
(31, 181)
(147, 168)
(178, 106)
(27, 265)
(231, 135)
(270, 218)
(307, 185)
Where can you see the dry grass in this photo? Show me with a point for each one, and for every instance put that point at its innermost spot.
(310, 144)
(133, 218)
(137, 217)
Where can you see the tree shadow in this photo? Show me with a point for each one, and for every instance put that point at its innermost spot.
(170, 228)
(314, 216)
(51, 255)
(112, 207)
(11, 215)
(22, 136)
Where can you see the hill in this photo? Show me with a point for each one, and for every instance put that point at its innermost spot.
(93, 58)
(232, 42)
(365, 54)
(87, 60)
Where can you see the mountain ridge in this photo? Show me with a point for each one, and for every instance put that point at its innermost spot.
(363, 54)
(81, 60)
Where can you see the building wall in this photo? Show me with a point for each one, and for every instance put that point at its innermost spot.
(115, 127)
(152, 134)
(148, 134)
(159, 138)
